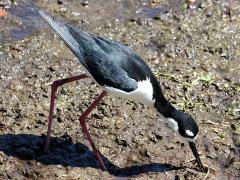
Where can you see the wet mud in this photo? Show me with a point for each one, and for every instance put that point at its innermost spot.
(193, 47)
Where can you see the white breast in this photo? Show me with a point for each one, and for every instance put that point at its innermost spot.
(143, 94)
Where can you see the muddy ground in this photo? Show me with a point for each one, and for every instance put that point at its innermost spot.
(194, 50)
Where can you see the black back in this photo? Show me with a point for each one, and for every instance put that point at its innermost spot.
(110, 63)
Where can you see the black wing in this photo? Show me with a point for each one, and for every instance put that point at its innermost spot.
(110, 63)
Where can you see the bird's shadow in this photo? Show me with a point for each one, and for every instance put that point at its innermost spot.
(65, 153)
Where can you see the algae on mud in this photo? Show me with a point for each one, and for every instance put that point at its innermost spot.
(192, 48)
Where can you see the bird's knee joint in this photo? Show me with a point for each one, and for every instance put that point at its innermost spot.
(56, 84)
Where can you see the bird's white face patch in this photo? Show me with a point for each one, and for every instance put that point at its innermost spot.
(172, 124)
(189, 133)
(143, 93)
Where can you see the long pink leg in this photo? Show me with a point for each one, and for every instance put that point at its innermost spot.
(54, 87)
(82, 120)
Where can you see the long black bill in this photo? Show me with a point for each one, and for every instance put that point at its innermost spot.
(195, 153)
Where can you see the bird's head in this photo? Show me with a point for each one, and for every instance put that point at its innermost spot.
(185, 127)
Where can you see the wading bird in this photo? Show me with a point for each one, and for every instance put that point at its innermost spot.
(119, 71)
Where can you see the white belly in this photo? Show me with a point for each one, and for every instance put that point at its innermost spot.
(143, 94)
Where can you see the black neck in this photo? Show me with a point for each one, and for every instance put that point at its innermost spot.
(161, 103)
(166, 109)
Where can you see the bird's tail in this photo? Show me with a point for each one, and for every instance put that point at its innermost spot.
(66, 33)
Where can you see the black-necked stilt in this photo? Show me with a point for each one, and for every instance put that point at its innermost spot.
(119, 71)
